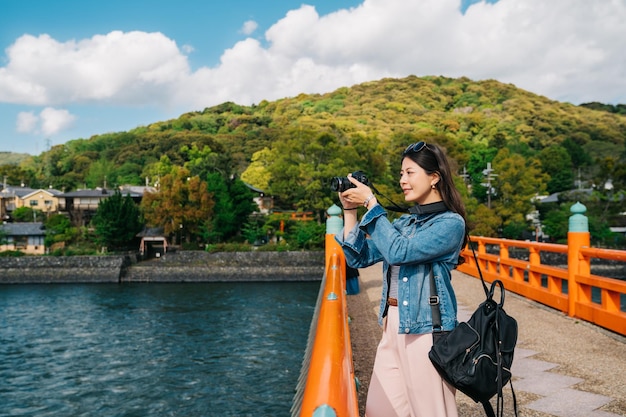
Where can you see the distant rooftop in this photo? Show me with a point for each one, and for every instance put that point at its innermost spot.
(23, 229)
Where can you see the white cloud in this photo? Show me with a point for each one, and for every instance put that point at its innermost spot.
(570, 50)
(133, 67)
(249, 27)
(55, 120)
(26, 122)
(50, 121)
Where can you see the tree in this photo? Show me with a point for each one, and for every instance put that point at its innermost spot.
(156, 170)
(182, 205)
(303, 165)
(99, 172)
(243, 202)
(202, 162)
(577, 154)
(257, 174)
(117, 221)
(555, 223)
(484, 222)
(556, 162)
(224, 218)
(233, 205)
(519, 180)
(306, 235)
(477, 162)
(59, 229)
(27, 214)
(14, 174)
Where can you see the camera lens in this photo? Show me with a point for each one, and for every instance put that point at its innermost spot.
(340, 184)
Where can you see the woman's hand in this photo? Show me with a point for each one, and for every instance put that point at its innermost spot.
(346, 203)
(355, 197)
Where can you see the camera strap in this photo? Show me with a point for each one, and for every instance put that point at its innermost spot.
(437, 207)
(395, 207)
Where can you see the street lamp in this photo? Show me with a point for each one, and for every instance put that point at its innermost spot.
(488, 173)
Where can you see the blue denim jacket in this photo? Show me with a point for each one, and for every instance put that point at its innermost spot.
(415, 243)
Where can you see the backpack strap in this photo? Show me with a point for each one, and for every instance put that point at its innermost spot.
(500, 404)
(480, 273)
(489, 294)
(434, 303)
(489, 409)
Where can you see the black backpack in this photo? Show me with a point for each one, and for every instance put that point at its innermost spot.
(476, 356)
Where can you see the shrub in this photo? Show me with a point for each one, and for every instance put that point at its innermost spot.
(11, 254)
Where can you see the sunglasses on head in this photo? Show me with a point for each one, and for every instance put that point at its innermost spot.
(414, 148)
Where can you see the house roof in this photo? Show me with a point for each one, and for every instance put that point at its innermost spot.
(554, 198)
(151, 232)
(137, 189)
(51, 191)
(11, 191)
(255, 189)
(97, 193)
(23, 229)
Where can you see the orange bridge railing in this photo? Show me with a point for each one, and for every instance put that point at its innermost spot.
(327, 385)
(574, 290)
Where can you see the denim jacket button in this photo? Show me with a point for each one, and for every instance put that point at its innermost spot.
(405, 303)
(406, 330)
(405, 279)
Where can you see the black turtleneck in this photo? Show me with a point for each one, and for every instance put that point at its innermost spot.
(437, 207)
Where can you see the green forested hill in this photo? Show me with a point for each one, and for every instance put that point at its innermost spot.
(11, 158)
(291, 147)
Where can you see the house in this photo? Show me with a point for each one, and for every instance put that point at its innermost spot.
(10, 199)
(618, 229)
(46, 201)
(153, 243)
(81, 205)
(570, 195)
(23, 237)
(263, 201)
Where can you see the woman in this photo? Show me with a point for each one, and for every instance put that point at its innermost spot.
(404, 382)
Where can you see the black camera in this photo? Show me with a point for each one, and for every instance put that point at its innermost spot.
(341, 184)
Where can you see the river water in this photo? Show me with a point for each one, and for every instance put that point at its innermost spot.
(152, 349)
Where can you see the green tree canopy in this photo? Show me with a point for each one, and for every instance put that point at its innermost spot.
(27, 214)
(117, 221)
(257, 173)
(518, 181)
(59, 229)
(224, 221)
(556, 162)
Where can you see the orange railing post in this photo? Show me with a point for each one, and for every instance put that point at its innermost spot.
(504, 256)
(577, 238)
(330, 383)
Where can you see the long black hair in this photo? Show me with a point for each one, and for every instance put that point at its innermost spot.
(433, 159)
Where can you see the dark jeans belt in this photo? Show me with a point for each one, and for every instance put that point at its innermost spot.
(392, 301)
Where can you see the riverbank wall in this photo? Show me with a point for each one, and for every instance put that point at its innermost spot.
(180, 266)
(192, 266)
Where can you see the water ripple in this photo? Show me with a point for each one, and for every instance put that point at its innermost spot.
(152, 349)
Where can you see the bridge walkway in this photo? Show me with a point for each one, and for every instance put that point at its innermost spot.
(563, 367)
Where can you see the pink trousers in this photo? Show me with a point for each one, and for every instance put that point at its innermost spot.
(404, 382)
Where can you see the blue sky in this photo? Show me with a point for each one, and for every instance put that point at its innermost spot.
(71, 69)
